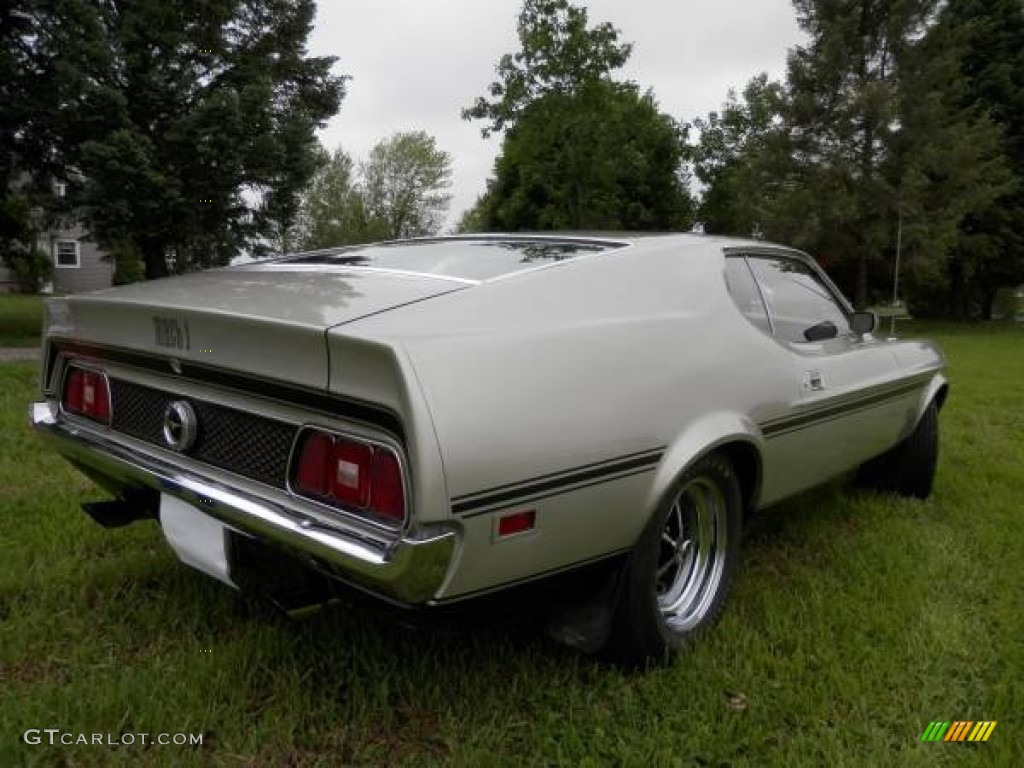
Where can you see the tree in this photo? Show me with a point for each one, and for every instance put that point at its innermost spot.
(950, 166)
(559, 54)
(333, 210)
(22, 93)
(989, 39)
(474, 218)
(843, 109)
(581, 150)
(399, 191)
(405, 180)
(868, 136)
(192, 124)
(601, 158)
(743, 160)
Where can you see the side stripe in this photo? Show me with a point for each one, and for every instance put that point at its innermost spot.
(556, 483)
(782, 426)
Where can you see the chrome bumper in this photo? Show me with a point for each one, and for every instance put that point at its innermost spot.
(409, 570)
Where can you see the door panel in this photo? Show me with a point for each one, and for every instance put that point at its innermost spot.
(850, 403)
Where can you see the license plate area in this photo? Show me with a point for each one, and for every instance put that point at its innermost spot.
(198, 540)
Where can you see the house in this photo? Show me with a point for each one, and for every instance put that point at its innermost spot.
(78, 263)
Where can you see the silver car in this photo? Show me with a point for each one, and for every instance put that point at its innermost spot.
(435, 421)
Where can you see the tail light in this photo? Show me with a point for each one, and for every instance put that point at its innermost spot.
(86, 393)
(349, 474)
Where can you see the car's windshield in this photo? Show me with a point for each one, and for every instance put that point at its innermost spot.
(469, 259)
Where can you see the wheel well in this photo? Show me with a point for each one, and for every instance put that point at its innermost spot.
(746, 461)
(940, 396)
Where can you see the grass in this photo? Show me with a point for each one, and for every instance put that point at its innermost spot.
(855, 620)
(21, 320)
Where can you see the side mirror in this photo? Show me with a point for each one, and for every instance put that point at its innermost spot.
(822, 331)
(863, 322)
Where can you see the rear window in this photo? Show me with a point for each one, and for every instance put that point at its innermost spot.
(467, 259)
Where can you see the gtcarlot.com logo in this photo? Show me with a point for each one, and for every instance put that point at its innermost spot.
(959, 730)
(56, 737)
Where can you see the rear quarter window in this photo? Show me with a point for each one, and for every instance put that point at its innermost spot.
(744, 292)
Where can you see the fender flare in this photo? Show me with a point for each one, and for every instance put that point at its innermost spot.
(730, 431)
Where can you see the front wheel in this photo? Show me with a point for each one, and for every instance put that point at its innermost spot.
(679, 572)
(909, 468)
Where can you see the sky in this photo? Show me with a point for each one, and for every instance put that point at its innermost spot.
(414, 64)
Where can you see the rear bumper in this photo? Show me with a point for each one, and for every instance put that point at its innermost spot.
(410, 570)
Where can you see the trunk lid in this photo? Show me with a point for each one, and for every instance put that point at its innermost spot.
(268, 322)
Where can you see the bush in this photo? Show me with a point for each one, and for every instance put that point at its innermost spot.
(128, 265)
(29, 266)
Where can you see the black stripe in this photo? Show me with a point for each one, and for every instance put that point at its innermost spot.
(562, 472)
(558, 492)
(533, 490)
(828, 413)
(318, 400)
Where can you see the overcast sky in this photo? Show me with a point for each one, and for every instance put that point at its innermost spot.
(415, 64)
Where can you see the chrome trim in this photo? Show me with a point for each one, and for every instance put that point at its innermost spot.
(362, 516)
(408, 570)
(284, 266)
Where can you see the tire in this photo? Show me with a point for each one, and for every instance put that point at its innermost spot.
(909, 468)
(676, 579)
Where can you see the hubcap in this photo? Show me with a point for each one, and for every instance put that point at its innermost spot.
(691, 554)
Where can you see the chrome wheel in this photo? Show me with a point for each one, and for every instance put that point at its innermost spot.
(692, 554)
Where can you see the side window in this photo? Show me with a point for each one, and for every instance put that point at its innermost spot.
(744, 292)
(796, 297)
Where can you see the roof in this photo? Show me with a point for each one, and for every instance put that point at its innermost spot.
(474, 258)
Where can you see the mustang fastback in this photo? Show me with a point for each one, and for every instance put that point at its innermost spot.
(440, 421)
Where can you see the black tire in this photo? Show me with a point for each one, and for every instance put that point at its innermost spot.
(909, 468)
(676, 579)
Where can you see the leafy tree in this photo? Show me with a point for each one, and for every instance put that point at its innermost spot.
(191, 123)
(742, 157)
(949, 165)
(405, 182)
(398, 192)
(474, 218)
(334, 208)
(581, 150)
(843, 111)
(867, 136)
(601, 158)
(559, 54)
(22, 93)
(989, 40)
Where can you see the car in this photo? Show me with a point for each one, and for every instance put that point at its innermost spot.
(444, 421)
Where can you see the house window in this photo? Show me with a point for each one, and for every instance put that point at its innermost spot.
(60, 189)
(65, 253)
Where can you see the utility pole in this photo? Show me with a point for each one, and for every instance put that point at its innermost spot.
(896, 269)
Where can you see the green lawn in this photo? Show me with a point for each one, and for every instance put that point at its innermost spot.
(21, 320)
(855, 621)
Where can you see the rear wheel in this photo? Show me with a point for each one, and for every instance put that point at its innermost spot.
(677, 577)
(909, 468)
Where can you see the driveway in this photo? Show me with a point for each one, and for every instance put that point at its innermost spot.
(11, 354)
